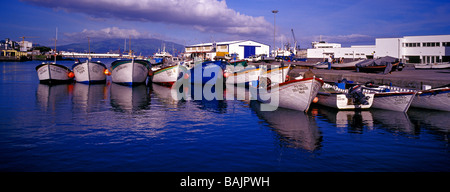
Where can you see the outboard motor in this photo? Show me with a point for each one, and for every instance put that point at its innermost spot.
(356, 94)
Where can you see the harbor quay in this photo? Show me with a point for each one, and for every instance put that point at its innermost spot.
(407, 78)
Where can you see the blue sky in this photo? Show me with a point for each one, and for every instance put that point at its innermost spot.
(350, 22)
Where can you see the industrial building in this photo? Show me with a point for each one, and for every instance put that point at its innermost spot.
(410, 49)
(242, 49)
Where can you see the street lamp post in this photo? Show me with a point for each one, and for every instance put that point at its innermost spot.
(274, 13)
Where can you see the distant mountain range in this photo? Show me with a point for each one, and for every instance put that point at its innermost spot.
(144, 47)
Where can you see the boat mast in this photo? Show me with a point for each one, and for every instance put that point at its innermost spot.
(132, 61)
(56, 39)
(89, 49)
(89, 59)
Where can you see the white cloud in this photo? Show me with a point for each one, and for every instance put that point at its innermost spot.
(204, 15)
(109, 33)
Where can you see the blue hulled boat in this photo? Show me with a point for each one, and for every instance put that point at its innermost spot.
(209, 72)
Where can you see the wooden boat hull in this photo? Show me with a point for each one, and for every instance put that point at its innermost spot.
(345, 66)
(243, 76)
(130, 72)
(393, 101)
(249, 74)
(339, 66)
(167, 76)
(374, 69)
(53, 73)
(294, 94)
(89, 72)
(340, 101)
(432, 66)
(436, 99)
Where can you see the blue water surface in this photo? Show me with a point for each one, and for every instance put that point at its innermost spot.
(110, 127)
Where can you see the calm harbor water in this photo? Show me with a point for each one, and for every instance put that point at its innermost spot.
(109, 127)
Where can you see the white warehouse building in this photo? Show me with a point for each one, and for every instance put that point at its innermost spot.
(410, 49)
(243, 49)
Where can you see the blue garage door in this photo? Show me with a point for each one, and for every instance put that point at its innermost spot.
(249, 51)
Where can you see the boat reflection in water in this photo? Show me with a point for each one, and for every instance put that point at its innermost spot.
(297, 129)
(129, 99)
(49, 96)
(164, 95)
(211, 100)
(369, 120)
(393, 121)
(431, 119)
(89, 97)
(354, 121)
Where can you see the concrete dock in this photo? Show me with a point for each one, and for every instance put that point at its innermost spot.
(407, 78)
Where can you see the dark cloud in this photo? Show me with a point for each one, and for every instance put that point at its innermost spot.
(203, 15)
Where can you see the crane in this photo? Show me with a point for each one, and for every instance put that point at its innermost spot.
(295, 41)
(23, 40)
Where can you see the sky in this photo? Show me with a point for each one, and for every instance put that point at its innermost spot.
(188, 22)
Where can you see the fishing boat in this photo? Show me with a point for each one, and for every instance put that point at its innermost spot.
(130, 71)
(167, 76)
(322, 65)
(384, 64)
(251, 73)
(209, 72)
(390, 97)
(345, 66)
(90, 72)
(52, 73)
(436, 99)
(432, 66)
(296, 94)
(241, 62)
(335, 97)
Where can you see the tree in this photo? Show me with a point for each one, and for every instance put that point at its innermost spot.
(42, 49)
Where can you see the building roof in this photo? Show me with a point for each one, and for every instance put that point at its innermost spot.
(219, 43)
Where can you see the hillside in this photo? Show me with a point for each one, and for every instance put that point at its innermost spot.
(145, 47)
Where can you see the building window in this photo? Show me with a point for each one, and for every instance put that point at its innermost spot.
(411, 44)
(446, 44)
(431, 44)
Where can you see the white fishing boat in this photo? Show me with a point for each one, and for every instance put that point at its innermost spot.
(295, 94)
(90, 72)
(436, 99)
(54, 73)
(391, 98)
(130, 71)
(332, 96)
(238, 75)
(432, 66)
(167, 76)
(243, 76)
